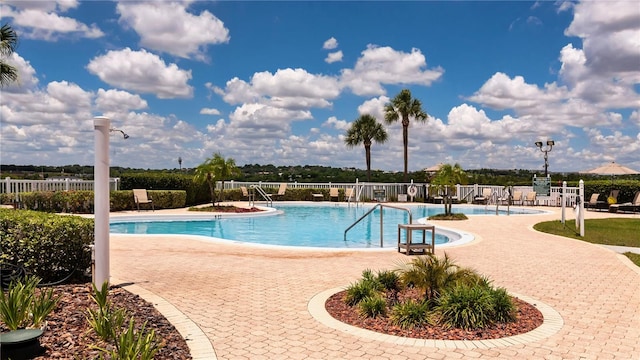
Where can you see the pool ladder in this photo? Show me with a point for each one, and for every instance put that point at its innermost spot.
(381, 219)
(264, 195)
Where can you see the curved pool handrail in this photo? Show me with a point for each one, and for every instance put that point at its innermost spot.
(381, 219)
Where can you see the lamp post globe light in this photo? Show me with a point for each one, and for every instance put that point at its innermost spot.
(546, 150)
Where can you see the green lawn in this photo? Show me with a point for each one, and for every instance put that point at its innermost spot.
(620, 232)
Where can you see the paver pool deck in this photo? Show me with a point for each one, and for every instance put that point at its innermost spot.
(239, 301)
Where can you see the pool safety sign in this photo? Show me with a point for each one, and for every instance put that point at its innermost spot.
(542, 185)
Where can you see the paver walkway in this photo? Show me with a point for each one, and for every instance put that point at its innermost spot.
(251, 302)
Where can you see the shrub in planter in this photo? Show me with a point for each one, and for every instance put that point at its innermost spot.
(22, 307)
(410, 314)
(47, 245)
(372, 306)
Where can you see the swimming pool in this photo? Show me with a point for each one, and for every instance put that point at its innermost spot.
(299, 225)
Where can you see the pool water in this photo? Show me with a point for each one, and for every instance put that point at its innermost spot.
(298, 225)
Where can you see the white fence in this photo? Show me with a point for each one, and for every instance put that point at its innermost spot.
(372, 191)
(392, 190)
(13, 186)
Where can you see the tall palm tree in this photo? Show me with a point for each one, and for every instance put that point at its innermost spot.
(216, 167)
(8, 44)
(403, 106)
(446, 179)
(364, 130)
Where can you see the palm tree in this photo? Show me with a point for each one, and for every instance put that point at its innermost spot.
(8, 44)
(363, 131)
(434, 275)
(403, 106)
(216, 167)
(446, 179)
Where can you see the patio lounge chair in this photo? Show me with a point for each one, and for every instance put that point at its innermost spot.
(633, 206)
(334, 194)
(531, 198)
(246, 194)
(281, 191)
(140, 197)
(350, 195)
(484, 199)
(596, 204)
(516, 198)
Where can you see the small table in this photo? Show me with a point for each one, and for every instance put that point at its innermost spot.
(411, 247)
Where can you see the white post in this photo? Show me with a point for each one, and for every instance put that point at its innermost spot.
(563, 199)
(101, 199)
(581, 215)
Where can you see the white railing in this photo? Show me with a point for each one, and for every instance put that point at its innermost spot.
(369, 191)
(14, 186)
(365, 190)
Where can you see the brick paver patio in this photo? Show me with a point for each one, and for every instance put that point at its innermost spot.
(251, 301)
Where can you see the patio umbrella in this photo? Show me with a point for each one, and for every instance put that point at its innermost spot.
(434, 168)
(612, 169)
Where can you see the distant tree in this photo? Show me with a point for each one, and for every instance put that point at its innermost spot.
(8, 44)
(446, 179)
(363, 131)
(402, 107)
(216, 167)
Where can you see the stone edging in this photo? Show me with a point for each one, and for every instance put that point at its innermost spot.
(552, 324)
(199, 345)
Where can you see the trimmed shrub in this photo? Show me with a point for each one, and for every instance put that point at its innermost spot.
(46, 245)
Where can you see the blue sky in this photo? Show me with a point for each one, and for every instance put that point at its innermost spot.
(280, 82)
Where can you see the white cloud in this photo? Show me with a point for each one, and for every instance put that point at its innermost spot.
(40, 20)
(330, 44)
(142, 71)
(333, 122)
(384, 65)
(119, 101)
(334, 57)
(168, 27)
(209, 111)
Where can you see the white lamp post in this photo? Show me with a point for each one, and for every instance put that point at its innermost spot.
(101, 200)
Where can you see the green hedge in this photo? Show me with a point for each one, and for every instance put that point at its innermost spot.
(46, 245)
(82, 202)
(627, 189)
(195, 193)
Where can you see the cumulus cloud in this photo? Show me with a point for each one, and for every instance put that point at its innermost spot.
(333, 122)
(385, 65)
(141, 71)
(40, 20)
(330, 44)
(119, 101)
(334, 57)
(169, 27)
(209, 111)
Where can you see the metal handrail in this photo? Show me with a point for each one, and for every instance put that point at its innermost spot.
(381, 219)
(264, 195)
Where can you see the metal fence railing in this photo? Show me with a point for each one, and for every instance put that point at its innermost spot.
(366, 190)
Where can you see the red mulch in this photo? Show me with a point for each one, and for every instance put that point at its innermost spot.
(528, 318)
(68, 335)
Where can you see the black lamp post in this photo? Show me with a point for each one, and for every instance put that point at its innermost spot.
(546, 150)
(180, 162)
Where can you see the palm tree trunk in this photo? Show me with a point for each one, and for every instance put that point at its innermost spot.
(405, 141)
(367, 152)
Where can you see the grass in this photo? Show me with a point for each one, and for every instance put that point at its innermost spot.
(619, 232)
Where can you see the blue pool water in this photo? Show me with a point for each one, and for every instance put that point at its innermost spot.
(298, 225)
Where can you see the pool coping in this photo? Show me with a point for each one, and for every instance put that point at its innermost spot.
(552, 323)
